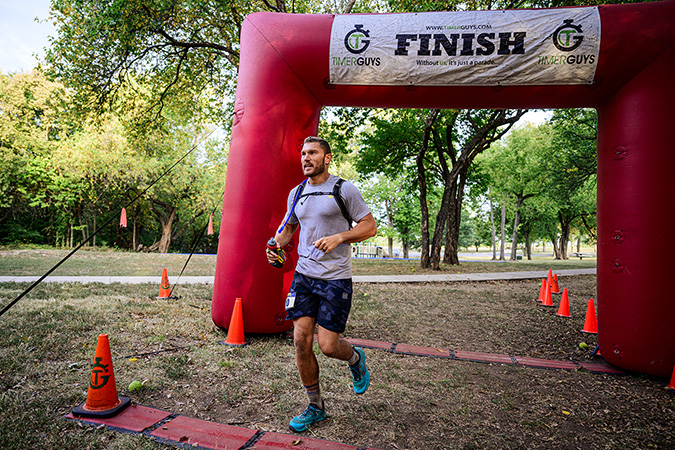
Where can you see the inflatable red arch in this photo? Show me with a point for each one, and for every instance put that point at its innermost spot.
(284, 82)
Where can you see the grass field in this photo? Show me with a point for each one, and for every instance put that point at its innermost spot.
(47, 342)
(116, 263)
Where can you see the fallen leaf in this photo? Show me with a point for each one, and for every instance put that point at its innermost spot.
(298, 442)
(567, 413)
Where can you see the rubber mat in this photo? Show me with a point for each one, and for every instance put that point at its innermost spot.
(187, 432)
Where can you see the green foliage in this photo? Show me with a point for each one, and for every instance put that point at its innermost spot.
(181, 50)
(61, 176)
(553, 168)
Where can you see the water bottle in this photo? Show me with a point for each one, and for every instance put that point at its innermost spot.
(280, 252)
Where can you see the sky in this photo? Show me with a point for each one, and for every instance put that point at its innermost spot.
(21, 37)
(23, 40)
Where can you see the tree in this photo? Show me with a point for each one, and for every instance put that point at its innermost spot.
(441, 145)
(33, 119)
(570, 168)
(187, 49)
(514, 169)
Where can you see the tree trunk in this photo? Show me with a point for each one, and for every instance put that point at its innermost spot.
(166, 219)
(165, 240)
(520, 198)
(93, 240)
(564, 242)
(133, 248)
(528, 246)
(514, 238)
(503, 231)
(565, 224)
(454, 219)
(79, 216)
(556, 252)
(421, 176)
(439, 231)
(494, 231)
(390, 222)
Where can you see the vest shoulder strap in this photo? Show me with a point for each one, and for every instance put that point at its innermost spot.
(337, 195)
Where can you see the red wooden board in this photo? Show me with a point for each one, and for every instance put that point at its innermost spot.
(370, 344)
(546, 363)
(280, 441)
(133, 418)
(191, 431)
(422, 351)
(483, 357)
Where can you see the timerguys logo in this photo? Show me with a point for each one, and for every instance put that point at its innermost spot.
(98, 379)
(355, 40)
(567, 37)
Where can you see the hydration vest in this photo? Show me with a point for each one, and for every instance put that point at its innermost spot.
(335, 193)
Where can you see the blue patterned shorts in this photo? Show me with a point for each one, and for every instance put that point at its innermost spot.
(328, 301)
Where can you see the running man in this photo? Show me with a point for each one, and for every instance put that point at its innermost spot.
(321, 292)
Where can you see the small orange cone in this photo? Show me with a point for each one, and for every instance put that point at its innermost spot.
(235, 333)
(672, 380)
(102, 399)
(564, 308)
(549, 279)
(164, 287)
(548, 300)
(542, 291)
(555, 289)
(210, 227)
(591, 322)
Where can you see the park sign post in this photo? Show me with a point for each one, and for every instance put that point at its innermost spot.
(516, 47)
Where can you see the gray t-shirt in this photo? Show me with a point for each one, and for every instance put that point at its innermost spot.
(320, 216)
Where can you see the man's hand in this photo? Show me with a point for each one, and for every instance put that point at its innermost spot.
(271, 256)
(364, 229)
(329, 243)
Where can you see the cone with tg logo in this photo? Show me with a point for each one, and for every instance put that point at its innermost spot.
(102, 399)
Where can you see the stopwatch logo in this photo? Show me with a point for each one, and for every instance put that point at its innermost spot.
(356, 40)
(98, 379)
(567, 37)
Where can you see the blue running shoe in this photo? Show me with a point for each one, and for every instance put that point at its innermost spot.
(360, 374)
(312, 415)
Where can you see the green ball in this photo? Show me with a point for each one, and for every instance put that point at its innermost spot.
(583, 345)
(135, 386)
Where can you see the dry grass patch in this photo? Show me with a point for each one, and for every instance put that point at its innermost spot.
(47, 343)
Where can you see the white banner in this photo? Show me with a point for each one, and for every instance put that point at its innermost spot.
(514, 47)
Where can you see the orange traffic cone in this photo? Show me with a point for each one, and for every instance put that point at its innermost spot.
(548, 300)
(235, 333)
(542, 290)
(555, 289)
(210, 226)
(549, 279)
(164, 287)
(102, 399)
(591, 322)
(564, 308)
(672, 380)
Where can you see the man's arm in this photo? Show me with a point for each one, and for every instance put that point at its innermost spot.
(286, 234)
(364, 229)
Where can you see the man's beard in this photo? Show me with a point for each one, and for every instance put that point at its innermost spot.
(318, 170)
